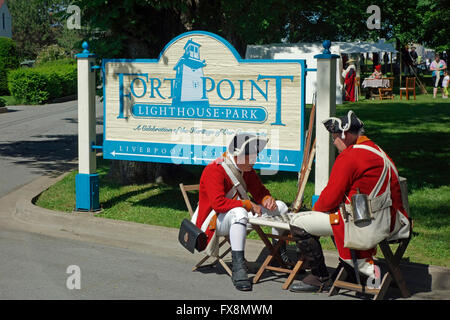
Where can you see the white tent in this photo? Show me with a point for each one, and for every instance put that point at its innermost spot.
(307, 51)
(363, 47)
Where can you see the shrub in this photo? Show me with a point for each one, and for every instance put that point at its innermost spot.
(51, 53)
(43, 83)
(8, 60)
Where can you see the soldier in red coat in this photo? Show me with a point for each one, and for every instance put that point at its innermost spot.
(222, 211)
(359, 166)
(349, 76)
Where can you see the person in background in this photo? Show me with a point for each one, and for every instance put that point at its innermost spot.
(377, 74)
(414, 59)
(406, 59)
(349, 76)
(437, 67)
(386, 62)
(445, 85)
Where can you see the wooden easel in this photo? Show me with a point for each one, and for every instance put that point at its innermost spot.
(308, 157)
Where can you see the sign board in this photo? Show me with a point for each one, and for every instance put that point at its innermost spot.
(185, 106)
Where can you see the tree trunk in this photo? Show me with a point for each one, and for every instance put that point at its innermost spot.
(129, 172)
(136, 172)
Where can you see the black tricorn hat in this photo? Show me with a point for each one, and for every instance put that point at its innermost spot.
(246, 144)
(350, 122)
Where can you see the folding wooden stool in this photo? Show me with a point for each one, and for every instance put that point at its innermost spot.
(393, 273)
(195, 187)
(274, 254)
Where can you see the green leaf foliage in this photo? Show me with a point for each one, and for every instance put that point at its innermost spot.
(41, 84)
(51, 53)
(35, 24)
(141, 28)
(8, 60)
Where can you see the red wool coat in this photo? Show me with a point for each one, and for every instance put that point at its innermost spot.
(356, 168)
(350, 80)
(215, 184)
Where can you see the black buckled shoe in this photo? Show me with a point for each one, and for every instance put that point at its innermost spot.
(240, 276)
(310, 283)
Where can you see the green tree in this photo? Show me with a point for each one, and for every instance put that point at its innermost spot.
(434, 30)
(71, 40)
(34, 25)
(9, 60)
(131, 28)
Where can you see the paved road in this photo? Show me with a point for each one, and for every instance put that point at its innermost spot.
(38, 140)
(35, 266)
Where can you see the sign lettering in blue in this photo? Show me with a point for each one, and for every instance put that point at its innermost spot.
(185, 106)
(215, 113)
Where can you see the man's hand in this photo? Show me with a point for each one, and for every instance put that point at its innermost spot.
(269, 203)
(256, 209)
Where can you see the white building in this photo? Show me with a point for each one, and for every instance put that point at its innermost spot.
(5, 20)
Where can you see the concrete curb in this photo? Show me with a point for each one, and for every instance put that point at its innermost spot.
(421, 279)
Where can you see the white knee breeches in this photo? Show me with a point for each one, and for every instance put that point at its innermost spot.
(314, 222)
(226, 220)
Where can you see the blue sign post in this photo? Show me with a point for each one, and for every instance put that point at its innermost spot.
(86, 181)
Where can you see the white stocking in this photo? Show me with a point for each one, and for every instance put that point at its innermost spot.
(238, 233)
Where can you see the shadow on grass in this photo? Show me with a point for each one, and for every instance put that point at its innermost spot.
(125, 196)
(170, 198)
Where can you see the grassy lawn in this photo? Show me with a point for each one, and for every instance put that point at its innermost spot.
(416, 134)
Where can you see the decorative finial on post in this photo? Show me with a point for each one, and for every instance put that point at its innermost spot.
(85, 46)
(326, 45)
(85, 53)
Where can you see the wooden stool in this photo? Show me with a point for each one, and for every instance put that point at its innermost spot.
(274, 254)
(394, 273)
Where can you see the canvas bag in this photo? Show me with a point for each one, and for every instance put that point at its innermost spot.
(367, 235)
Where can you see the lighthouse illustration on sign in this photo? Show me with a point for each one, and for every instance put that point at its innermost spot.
(188, 86)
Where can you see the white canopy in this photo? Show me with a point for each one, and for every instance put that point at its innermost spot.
(307, 51)
(362, 47)
(268, 51)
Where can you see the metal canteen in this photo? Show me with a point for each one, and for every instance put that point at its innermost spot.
(360, 208)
